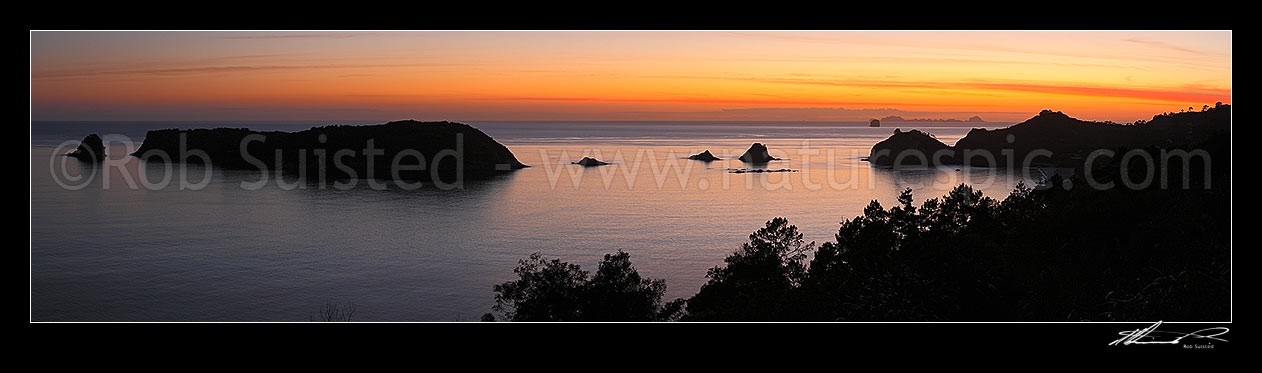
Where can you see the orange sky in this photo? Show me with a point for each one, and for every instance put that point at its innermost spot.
(624, 75)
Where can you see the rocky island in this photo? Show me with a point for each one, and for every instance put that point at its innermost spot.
(91, 149)
(911, 148)
(421, 149)
(589, 162)
(757, 153)
(895, 118)
(704, 156)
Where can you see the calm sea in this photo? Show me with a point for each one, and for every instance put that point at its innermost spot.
(102, 250)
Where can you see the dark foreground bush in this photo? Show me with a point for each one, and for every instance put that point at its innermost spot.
(552, 290)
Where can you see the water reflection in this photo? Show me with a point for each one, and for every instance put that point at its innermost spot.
(227, 253)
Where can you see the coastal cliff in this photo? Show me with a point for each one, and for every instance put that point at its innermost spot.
(445, 149)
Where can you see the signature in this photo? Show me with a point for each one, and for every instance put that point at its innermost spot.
(1151, 335)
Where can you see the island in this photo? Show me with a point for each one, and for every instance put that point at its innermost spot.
(911, 148)
(1058, 139)
(589, 162)
(704, 156)
(422, 150)
(91, 149)
(895, 118)
(757, 153)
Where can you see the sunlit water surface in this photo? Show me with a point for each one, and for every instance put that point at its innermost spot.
(226, 253)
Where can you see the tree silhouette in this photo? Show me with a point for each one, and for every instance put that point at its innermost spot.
(545, 291)
(334, 312)
(757, 279)
(552, 290)
(618, 293)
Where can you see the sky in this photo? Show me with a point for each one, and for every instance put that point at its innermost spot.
(1002, 76)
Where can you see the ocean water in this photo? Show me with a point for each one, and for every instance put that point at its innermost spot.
(106, 249)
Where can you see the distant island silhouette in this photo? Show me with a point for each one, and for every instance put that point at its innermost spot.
(704, 156)
(757, 153)
(434, 141)
(91, 149)
(1069, 139)
(899, 119)
(589, 162)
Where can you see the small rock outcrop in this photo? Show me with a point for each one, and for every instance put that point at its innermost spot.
(704, 156)
(589, 162)
(757, 170)
(91, 149)
(874, 123)
(757, 153)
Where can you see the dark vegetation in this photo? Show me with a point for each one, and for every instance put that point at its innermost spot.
(91, 149)
(1063, 251)
(315, 152)
(334, 312)
(552, 290)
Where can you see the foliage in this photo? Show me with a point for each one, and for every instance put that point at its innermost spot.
(552, 290)
(334, 312)
(757, 279)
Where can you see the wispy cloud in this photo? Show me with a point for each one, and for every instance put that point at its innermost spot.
(709, 100)
(939, 60)
(1083, 58)
(823, 114)
(291, 36)
(1165, 45)
(682, 100)
(1185, 93)
(194, 70)
(1156, 94)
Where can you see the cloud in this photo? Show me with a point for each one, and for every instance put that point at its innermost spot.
(1185, 93)
(1155, 94)
(1117, 59)
(687, 100)
(844, 114)
(193, 70)
(1164, 45)
(939, 60)
(291, 36)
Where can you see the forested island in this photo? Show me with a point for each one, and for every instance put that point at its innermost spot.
(341, 151)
